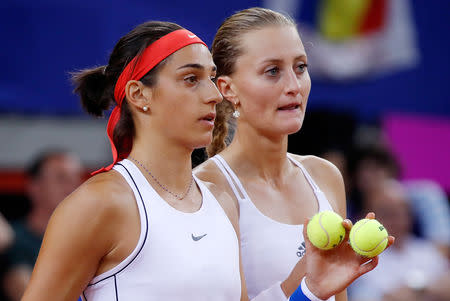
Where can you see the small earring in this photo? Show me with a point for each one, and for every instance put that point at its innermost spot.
(145, 108)
(236, 114)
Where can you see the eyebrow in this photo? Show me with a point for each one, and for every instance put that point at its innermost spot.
(196, 66)
(302, 56)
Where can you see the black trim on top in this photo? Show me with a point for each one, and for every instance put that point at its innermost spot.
(115, 287)
(84, 296)
(146, 231)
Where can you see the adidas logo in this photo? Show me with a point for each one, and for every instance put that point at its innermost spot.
(301, 250)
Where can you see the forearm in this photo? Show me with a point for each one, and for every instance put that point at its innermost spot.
(295, 277)
(342, 296)
(275, 293)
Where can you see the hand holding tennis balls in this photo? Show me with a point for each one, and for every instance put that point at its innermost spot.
(325, 230)
(328, 272)
(368, 237)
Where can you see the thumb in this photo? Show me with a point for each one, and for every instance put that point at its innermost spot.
(308, 243)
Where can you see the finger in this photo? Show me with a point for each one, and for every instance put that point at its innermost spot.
(391, 240)
(348, 226)
(370, 215)
(369, 266)
(305, 225)
(305, 235)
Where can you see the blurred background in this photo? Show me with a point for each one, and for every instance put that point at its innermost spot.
(379, 107)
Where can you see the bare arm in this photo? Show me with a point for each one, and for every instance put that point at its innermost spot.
(331, 272)
(78, 236)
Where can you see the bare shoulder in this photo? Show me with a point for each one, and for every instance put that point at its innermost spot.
(319, 168)
(83, 229)
(328, 177)
(209, 172)
(104, 192)
(86, 215)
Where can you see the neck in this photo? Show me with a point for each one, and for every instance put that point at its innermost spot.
(269, 162)
(167, 162)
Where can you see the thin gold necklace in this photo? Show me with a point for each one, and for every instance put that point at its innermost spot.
(178, 196)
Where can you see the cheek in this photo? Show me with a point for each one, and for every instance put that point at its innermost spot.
(305, 85)
(173, 107)
(257, 96)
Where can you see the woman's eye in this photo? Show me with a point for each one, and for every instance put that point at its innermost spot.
(192, 79)
(273, 71)
(302, 67)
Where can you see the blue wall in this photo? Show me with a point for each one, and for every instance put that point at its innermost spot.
(42, 41)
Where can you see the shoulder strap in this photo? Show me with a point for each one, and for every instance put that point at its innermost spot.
(305, 173)
(231, 177)
(322, 200)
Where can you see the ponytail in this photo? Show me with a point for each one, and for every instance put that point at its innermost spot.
(221, 128)
(97, 95)
(91, 86)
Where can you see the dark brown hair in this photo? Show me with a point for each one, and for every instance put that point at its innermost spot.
(226, 48)
(35, 167)
(96, 86)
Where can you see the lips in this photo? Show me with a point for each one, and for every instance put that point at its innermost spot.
(209, 117)
(290, 106)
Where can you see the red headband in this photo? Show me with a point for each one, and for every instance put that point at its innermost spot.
(136, 69)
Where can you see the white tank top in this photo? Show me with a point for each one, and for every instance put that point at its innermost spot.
(269, 249)
(179, 256)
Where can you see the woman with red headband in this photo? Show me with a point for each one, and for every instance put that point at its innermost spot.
(144, 228)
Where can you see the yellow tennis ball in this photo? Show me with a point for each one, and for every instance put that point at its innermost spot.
(368, 237)
(325, 230)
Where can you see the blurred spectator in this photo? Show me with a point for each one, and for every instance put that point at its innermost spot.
(338, 157)
(367, 167)
(6, 238)
(53, 175)
(432, 210)
(412, 268)
(6, 234)
(371, 165)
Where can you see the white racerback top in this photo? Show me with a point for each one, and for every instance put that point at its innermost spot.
(179, 256)
(269, 249)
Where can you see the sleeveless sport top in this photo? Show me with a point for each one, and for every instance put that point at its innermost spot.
(179, 256)
(269, 249)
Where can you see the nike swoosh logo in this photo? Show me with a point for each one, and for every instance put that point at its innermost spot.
(196, 238)
(191, 36)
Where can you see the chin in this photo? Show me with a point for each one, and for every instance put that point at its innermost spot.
(202, 141)
(292, 127)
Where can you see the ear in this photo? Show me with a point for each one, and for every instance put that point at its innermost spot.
(138, 95)
(227, 89)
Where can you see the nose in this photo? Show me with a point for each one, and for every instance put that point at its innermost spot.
(213, 95)
(292, 83)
